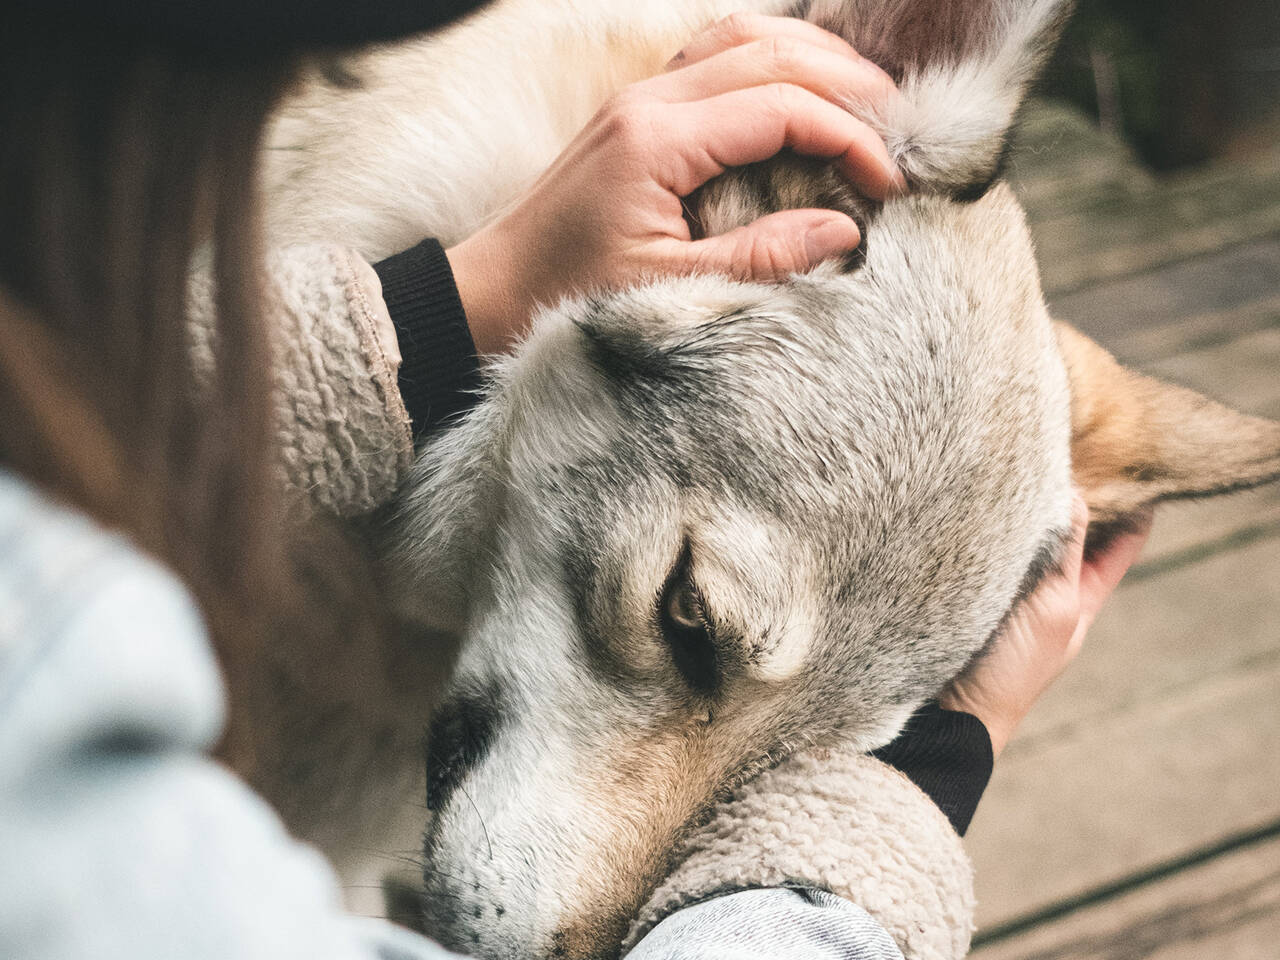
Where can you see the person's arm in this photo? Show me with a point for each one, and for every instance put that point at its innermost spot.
(608, 212)
(769, 924)
(836, 820)
(121, 837)
(344, 438)
(949, 745)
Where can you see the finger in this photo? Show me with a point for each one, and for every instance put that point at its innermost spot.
(773, 247)
(775, 60)
(740, 28)
(1073, 558)
(1072, 566)
(747, 126)
(1104, 570)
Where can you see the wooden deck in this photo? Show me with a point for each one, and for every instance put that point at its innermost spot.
(1137, 814)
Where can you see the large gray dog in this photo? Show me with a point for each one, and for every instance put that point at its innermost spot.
(694, 525)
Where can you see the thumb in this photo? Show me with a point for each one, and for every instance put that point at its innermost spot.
(773, 247)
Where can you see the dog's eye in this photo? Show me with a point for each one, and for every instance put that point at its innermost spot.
(686, 629)
(684, 607)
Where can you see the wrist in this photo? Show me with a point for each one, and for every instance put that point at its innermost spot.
(489, 286)
(948, 754)
(438, 373)
(999, 725)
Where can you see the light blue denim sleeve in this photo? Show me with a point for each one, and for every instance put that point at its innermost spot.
(770, 924)
(119, 836)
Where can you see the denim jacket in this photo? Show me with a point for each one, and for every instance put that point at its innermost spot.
(121, 838)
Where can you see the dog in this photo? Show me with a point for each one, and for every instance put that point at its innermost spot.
(695, 525)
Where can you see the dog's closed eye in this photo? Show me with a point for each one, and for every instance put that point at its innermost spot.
(686, 628)
(683, 607)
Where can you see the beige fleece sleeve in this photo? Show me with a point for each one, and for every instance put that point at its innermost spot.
(343, 434)
(840, 821)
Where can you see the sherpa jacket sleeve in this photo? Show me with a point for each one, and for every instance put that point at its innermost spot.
(367, 361)
(831, 819)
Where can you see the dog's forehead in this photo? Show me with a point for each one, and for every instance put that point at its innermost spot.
(816, 394)
(945, 318)
(902, 430)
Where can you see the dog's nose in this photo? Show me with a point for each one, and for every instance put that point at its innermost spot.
(461, 733)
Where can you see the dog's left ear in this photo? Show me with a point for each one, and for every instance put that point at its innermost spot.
(962, 67)
(1136, 441)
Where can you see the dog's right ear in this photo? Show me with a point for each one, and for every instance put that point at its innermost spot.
(963, 68)
(1136, 441)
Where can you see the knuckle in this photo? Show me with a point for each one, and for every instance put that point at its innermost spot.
(771, 257)
(793, 258)
(780, 262)
(708, 262)
(1066, 629)
(797, 109)
(627, 119)
(783, 55)
(624, 98)
(741, 265)
(738, 27)
(781, 97)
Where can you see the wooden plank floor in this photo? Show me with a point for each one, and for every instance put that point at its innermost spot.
(1137, 814)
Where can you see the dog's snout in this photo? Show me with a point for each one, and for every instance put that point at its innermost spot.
(462, 731)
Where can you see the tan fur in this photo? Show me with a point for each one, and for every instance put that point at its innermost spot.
(1136, 441)
(668, 767)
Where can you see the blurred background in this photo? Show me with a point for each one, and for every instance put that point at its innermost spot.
(1137, 814)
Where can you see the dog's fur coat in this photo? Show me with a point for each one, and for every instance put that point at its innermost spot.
(856, 473)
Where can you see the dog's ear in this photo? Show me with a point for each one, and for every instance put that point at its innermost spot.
(963, 67)
(1136, 441)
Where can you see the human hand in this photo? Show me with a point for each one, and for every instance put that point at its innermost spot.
(609, 211)
(1043, 634)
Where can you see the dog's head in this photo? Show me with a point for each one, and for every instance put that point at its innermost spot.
(699, 523)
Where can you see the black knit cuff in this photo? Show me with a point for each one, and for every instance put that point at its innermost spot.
(947, 754)
(439, 369)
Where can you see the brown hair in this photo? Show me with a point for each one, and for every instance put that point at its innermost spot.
(119, 164)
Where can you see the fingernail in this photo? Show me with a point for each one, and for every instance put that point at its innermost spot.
(897, 180)
(829, 238)
(1079, 510)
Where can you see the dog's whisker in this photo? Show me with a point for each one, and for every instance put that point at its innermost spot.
(436, 872)
(479, 816)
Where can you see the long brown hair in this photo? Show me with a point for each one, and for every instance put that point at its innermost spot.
(118, 165)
